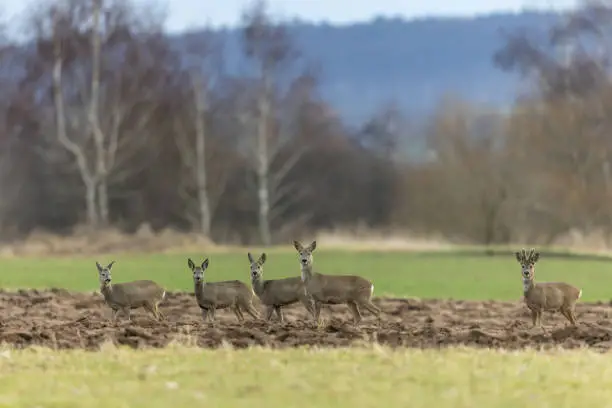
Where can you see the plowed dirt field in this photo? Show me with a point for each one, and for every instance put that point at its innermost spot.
(60, 319)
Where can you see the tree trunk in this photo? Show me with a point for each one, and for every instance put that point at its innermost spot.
(101, 171)
(89, 180)
(90, 204)
(103, 202)
(263, 188)
(200, 103)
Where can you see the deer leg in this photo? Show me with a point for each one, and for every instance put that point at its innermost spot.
(279, 313)
(572, 316)
(156, 313)
(317, 310)
(250, 309)
(540, 320)
(151, 308)
(159, 313)
(269, 312)
(128, 312)
(254, 312)
(371, 307)
(205, 315)
(565, 314)
(212, 312)
(307, 302)
(534, 317)
(355, 311)
(238, 313)
(114, 313)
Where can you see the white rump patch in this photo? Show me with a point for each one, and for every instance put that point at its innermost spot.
(163, 295)
(580, 294)
(372, 289)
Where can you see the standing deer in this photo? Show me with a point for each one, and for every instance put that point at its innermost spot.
(554, 296)
(274, 294)
(220, 295)
(130, 295)
(352, 290)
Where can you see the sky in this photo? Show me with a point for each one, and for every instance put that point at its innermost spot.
(188, 14)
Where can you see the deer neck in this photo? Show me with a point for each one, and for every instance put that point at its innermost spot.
(198, 290)
(528, 284)
(258, 285)
(106, 289)
(306, 273)
(199, 286)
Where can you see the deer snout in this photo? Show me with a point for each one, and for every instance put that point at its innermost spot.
(304, 261)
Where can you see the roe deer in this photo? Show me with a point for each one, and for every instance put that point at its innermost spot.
(353, 290)
(554, 296)
(220, 295)
(274, 294)
(130, 295)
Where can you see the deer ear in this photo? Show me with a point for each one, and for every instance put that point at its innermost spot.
(110, 265)
(190, 264)
(535, 257)
(250, 257)
(298, 246)
(100, 268)
(205, 264)
(313, 246)
(262, 258)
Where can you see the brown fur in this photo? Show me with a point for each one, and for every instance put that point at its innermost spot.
(352, 290)
(130, 295)
(546, 296)
(211, 296)
(277, 293)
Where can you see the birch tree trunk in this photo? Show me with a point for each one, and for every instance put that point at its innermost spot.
(200, 96)
(94, 119)
(75, 149)
(263, 162)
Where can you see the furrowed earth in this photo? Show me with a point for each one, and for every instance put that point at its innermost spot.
(60, 319)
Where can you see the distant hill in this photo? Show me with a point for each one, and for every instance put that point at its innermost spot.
(412, 62)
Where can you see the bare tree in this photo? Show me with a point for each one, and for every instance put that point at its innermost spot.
(100, 111)
(204, 62)
(103, 155)
(8, 187)
(268, 46)
(200, 102)
(565, 121)
(107, 111)
(87, 170)
(471, 172)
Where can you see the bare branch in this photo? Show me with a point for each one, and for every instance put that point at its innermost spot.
(72, 147)
(279, 175)
(291, 196)
(182, 143)
(117, 115)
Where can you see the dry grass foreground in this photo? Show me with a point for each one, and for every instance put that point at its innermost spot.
(84, 242)
(359, 377)
(63, 320)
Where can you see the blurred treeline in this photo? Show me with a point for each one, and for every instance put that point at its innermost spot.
(106, 122)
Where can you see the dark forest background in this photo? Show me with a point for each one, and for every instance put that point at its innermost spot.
(489, 130)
